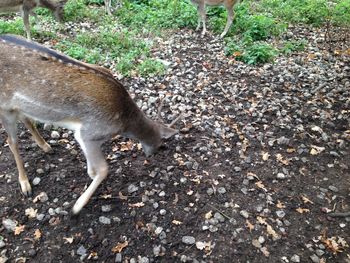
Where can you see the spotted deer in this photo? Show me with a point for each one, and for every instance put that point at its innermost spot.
(200, 4)
(85, 98)
(26, 7)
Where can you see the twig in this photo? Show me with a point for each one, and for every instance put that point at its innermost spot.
(340, 214)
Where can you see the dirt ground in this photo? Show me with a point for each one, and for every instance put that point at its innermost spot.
(262, 157)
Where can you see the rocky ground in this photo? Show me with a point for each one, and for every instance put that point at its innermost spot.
(261, 160)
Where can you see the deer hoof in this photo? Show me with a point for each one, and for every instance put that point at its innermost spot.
(26, 188)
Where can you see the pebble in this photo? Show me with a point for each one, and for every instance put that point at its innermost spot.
(104, 220)
(106, 208)
(40, 217)
(295, 258)
(281, 176)
(9, 224)
(162, 212)
(314, 258)
(244, 213)
(55, 135)
(132, 188)
(333, 189)
(219, 217)
(2, 243)
(280, 213)
(36, 181)
(118, 258)
(82, 252)
(188, 240)
(221, 190)
(144, 260)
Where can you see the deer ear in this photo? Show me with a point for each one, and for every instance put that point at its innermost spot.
(166, 132)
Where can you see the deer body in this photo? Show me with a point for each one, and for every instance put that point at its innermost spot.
(82, 97)
(200, 4)
(26, 7)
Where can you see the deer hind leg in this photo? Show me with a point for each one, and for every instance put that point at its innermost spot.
(97, 169)
(202, 16)
(108, 7)
(25, 16)
(9, 123)
(36, 135)
(230, 16)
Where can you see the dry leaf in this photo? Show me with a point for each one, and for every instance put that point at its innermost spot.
(335, 244)
(315, 150)
(249, 225)
(19, 229)
(126, 146)
(302, 210)
(265, 251)
(260, 185)
(37, 234)
(306, 200)
(137, 205)
(176, 222)
(209, 215)
(290, 150)
(281, 159)
(122, 197)
(280, 204)
(272, 232)
(31, 212)
(265, 156)
(119, 247)
(68, 240)
(256, 243)
(261, 220)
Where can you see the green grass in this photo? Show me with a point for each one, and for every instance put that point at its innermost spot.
(119, 41)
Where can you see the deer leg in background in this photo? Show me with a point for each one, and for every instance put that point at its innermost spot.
(97, 169)
(36, 136)
(108, 7)
(10, 125)
(202, 15)
(25, 16)
(230, 17)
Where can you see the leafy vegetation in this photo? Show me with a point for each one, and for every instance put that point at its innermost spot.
(123, 43)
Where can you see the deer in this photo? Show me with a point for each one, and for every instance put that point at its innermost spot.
(65, 92)
(26, 7)
(200, 4)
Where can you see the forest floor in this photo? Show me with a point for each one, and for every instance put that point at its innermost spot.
(261, 160)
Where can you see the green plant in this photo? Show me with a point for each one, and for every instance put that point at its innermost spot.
(292, 46)
(150, 67)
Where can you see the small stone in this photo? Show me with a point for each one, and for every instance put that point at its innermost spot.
(295, 258)
(55, 135)
(106, 208)
(40, 217)
(9, 224)
(162, 212)
(280, 213)
(261, 240)
(81, 251)
(237, 169)
(132, 189)
(2, 243)
(188, 240)
(156, 250)
(210, 191)
(244, 213)
(221, 190)
(36, 180)
(39, 171)
(118, 258)
(32, 252)
(319, 252)
(333, 188)
(281, 176)
(314, 258)
(219, 217)
(104, 220)
(144, 260)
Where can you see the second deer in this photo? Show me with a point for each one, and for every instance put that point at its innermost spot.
(228, 4)
(82, 97)
(26, 7)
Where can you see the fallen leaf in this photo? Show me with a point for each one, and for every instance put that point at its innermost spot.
(137, 205)
(256, 243)
(315, 150)
(335, 244)
(31, 212)
(19, 229)
(122, 197)
(265, 156)
(272, 232)
(92, 255)
(281, 159)
(265, 251)
(176, 199)
(209, 215)
(37, 234)
(249, 225)
(260, 185)
(176, 222)
(119, 247)
(306, 200)
(290, 150)
(302, 210)
(68, 240)
(280, 204)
